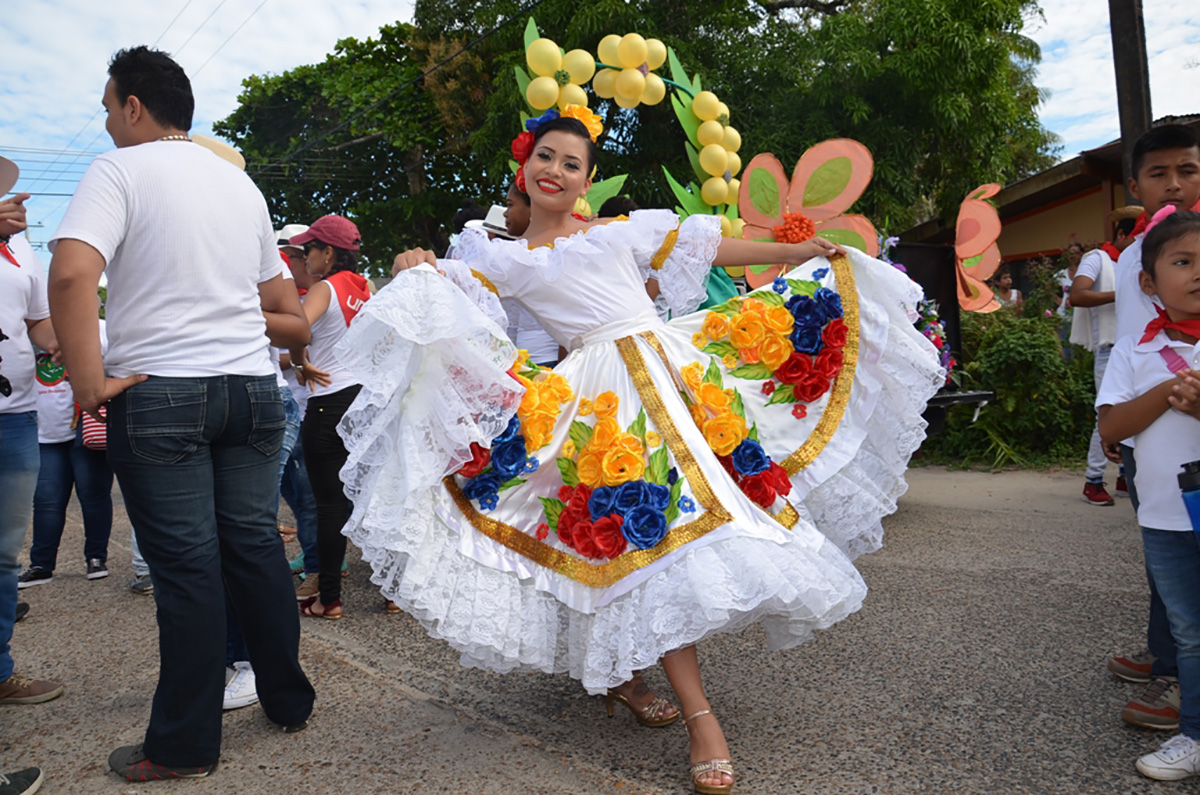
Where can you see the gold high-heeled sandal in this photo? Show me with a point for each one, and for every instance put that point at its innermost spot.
(711, 766)
(653, 715)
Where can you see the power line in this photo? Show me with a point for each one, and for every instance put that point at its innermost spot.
(172, 22)
(527, 9)
(231, 35)
(197, 30)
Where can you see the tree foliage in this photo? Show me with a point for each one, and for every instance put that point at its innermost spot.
(941, 91)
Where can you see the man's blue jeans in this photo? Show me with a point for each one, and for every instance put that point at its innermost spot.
(67, 465)
(19, 461)
(1173, 558)
(294, 486)
(197, 460)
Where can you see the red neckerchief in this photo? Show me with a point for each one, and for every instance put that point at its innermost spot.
(1112, 251)
(352, 292)
(1142, 221)
(8, 255)
(1189, 327)
(303, 292)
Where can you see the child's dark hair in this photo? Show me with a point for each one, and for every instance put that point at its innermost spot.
(469, 211)
(343, 258)
(1126, 226)
(573, 127)
(617, 206)
(159, 83)
(1156, 139)
(1174, 226)
(520, 194)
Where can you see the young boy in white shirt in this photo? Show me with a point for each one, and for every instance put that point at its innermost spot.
(1151, 394)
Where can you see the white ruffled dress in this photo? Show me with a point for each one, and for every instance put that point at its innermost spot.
(603, 529)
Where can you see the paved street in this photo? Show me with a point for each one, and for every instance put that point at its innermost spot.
(976, 666)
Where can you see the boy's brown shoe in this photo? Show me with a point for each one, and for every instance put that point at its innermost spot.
(19, 690)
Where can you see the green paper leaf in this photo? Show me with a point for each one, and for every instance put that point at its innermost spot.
(803, 287)
(523, 81)
(764, 193)
(972, 262)
(531, 33)
(510, 484)
(769, 297)
(753, 432)
(828, 182)
(580, 434)
(554, 509)
(757, 269)
(694, 158)
(658, 466)
(569, 471)
(782, 394)
(604, 190)
(713, 374)
(845, 237)
(679, 74)
(513, 165)
(638, 426)
(688, 121)
(752, 372)
(731, 210)
(692, 203)
(673, 506)
(736, 405)
(720, 348)
(728, 308)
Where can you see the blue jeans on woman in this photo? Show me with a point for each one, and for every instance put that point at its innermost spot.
(19, 462)
(67, 465)
(198, 464)
(1173, 558)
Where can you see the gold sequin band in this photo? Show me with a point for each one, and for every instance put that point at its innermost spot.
(787, 516)
(602, 575)
(664, 251)
(485, 281)
(839, 396)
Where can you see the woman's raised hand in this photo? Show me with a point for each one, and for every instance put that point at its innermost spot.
(411, 259)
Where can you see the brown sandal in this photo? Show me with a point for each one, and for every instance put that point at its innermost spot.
(711, 766)
(331, 611)
(654, 715)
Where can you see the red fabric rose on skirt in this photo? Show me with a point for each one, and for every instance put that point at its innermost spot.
(834, 335)
(795, 368)
(810, 387)
(607, 536)
(760, 488)
(829, 363)
(480, 457)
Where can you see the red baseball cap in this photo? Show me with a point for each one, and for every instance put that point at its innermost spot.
(333, 230)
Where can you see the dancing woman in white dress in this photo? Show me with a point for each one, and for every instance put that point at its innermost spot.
(666, 481)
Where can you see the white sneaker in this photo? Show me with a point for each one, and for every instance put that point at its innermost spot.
(241, 691)
(1179, 757)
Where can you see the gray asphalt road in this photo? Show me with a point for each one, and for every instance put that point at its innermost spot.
(976, 666)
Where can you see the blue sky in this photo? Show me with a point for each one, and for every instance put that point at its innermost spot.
(56, 52)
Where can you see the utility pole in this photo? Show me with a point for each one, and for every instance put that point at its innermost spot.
(1133, 78)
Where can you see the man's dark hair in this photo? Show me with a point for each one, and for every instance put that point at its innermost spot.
(1175, 225)
(573, 127)
(1156, 139)
(157, 81)
(617, 206)
(1125, 226)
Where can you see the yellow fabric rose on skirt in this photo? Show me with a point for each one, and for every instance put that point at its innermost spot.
(725, 432)
(621, 465)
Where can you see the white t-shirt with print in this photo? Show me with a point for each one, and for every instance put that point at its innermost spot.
(22, 297)
(186, 239)
(55, 399)
(1171, 441)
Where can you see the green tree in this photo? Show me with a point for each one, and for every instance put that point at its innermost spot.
(941, 91)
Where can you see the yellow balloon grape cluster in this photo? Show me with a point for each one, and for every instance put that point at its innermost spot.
(634, 83)
(560, 77)
(719, 145)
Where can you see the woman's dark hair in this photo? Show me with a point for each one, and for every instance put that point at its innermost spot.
(572, 127)
(159, 83)
(343, 258)
(1075, 244)
(469, 211)
(520, 194)
(1174, 226)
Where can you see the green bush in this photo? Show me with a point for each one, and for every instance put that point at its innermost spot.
(1042, 414)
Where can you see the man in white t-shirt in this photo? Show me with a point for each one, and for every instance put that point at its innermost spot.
(24, 318)
(195, 423)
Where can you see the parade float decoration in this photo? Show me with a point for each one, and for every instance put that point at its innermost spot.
(828, 178)
(975, 251)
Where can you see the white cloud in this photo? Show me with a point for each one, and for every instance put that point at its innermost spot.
(56, 55)
(1077, 67)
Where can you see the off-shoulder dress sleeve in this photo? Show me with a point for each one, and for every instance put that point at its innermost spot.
(678, 255)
